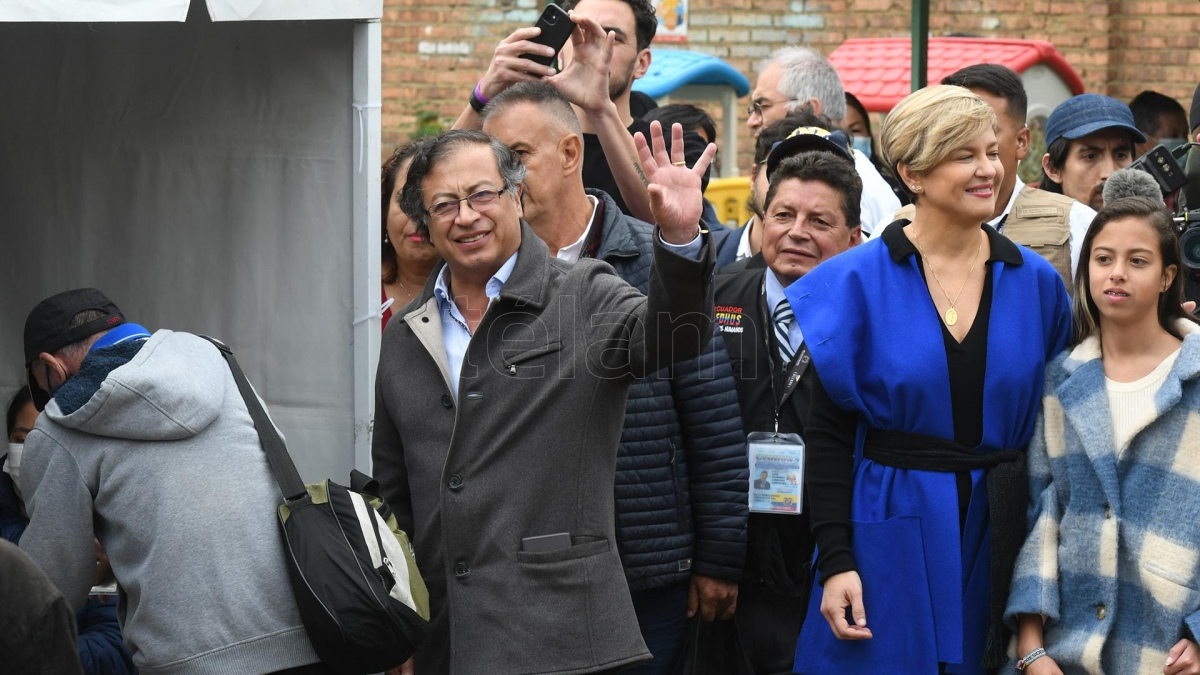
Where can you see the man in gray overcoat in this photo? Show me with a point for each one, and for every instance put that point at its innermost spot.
(500, 403)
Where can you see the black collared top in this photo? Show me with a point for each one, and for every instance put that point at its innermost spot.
(966, 363)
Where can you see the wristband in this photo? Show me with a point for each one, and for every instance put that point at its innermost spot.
(477, 100)
(1030, 658)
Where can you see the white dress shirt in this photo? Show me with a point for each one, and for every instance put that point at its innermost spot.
(743, 249)
(878, 202)
(571, 253)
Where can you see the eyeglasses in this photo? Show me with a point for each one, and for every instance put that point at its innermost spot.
(757, 107)
(449, 209)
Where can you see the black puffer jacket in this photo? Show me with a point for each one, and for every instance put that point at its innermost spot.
(681, 470)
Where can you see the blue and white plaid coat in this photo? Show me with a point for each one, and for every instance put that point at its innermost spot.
(1112, 558)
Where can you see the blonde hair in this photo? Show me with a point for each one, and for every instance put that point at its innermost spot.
(929, 124)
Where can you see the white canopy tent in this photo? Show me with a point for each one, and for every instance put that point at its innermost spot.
(215, 174)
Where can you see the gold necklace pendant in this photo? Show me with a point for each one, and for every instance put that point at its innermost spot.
(951, 315)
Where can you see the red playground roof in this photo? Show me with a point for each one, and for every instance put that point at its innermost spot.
(876, 70)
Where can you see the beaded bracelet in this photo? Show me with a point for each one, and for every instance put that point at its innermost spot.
(1030, 658)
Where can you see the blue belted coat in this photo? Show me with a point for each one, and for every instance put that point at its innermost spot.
(876, 342)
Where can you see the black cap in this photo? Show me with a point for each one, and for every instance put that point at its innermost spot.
(46, 328)
(804, 139)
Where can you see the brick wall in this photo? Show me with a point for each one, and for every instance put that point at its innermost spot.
(433, 52)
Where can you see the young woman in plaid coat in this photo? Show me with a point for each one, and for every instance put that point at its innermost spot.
(1108, 580)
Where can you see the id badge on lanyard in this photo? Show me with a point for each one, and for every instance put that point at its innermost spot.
(776, 472)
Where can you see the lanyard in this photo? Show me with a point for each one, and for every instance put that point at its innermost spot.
(799, 363)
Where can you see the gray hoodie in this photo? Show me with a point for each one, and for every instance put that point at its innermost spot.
(163, 466)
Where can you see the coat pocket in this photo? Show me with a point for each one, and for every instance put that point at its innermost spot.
(1168, 572)
(581, 547)
(1169, 588)
(530, 363)
(558, 596)
(1049, 240)
(1040, 235)
(1169, 575)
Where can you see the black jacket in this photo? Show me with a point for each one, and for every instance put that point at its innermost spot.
(37, 626)
(681, 469)
(780, 547)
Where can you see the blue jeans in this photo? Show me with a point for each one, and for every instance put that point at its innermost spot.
(662, 616)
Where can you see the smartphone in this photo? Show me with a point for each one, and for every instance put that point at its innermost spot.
(546, 543)
(556, 30)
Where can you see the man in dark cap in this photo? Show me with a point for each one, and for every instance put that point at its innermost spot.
(145, 444)
(1088, 137)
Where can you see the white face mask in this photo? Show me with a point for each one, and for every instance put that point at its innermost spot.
(12, 465)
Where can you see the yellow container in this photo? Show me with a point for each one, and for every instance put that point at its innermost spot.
(731, 199)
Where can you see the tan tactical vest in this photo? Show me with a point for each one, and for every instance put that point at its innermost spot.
(1039, 220)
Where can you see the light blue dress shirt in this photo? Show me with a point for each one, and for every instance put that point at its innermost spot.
(455, 334)
(774, 297)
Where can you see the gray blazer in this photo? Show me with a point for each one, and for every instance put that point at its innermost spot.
(527, 449)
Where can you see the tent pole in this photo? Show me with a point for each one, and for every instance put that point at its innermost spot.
(729, 128)
(365, 219)
(920, 44)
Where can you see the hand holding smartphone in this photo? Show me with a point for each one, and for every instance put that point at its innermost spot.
(556, 30)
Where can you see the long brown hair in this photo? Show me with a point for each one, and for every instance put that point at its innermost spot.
(1085, 316)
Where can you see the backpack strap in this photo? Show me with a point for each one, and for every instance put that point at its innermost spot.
(361, 482)
(282, 466)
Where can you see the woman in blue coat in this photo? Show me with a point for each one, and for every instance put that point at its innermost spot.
(1111, 565)
(929, 343)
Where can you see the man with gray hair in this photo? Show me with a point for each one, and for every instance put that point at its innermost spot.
(799, 77)
(500, 399)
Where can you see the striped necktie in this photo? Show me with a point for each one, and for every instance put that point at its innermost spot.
(783, 318)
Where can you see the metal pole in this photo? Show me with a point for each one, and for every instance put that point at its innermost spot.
(920, 44)
(367, 71)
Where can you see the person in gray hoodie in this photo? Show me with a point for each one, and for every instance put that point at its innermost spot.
(147, 445)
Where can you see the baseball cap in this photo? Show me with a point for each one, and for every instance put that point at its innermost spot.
(1086, 114)
(47, 327)
(809, 138)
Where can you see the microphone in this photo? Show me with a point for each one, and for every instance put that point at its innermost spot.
(1130, 182)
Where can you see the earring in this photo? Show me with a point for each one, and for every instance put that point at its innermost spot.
(386, 240)
(916, 188)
